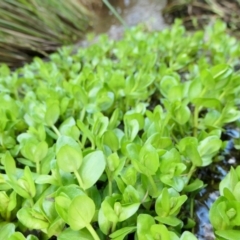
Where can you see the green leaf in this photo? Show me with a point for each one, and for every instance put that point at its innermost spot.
(160, 231)
(41, 151)
(208, 103)
(135, 116)
(68, 234)
(16, 236)
(81, 212)
(20, 187)
(207, 79)
(131, 195)
(175, 93)
(69, 159)
(52, 114)
(229, 234)
(32, 237)
(100, 126)
(187, 236)
(65, 140)
(131, 129)
(127, 211)
(30, 182)
(7, 230)
(113, 122)
(181, 114)
(56, 226)
(162, 205)
(111, 140)
(122, 233)
(104, 224)
(149, 158)
(32, 219)
(218, 220)
(166, 84)
(144, 223)
(129, 175)
(193, 186)
(178, 202)
(92, 168)
(10, 165)
(62, 204)
(69, 128)
(230, 181)
(189, 147)
(221, 74)
(208, 148)
(108, 211)
(171, 221)
(195, 89)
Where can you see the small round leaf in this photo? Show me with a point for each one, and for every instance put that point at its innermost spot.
(81, 212)
(69, 159)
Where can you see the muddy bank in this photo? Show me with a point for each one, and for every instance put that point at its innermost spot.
(133, 12)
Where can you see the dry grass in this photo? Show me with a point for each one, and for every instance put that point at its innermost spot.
(196, 13)
(37, 27)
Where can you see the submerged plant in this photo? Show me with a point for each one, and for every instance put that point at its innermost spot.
(104, 144)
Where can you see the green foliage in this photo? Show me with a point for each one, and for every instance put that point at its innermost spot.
(104, 143)
(225, 211)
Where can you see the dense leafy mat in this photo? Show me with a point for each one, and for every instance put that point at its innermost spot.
(104, 144)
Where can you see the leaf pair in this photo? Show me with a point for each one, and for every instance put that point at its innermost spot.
(69, 159)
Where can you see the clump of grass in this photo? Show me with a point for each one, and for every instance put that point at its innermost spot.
(35, 27)
(197, 13)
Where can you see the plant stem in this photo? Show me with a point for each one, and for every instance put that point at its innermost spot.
(8, 216)
(82, 115)
(109, 187)
(191, 207)
(150, 178)
(195, 122)
(93, 232)
(112, 9)
(38, 167)
(81, 146)
(31, 201)
(190, 173)
(56, 130)
(191, 210)
(79, 179)
(114, 224)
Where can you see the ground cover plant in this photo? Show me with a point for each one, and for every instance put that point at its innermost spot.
(105, 143)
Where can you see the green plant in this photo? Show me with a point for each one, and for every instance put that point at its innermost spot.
(105, 143)
(225, 211)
